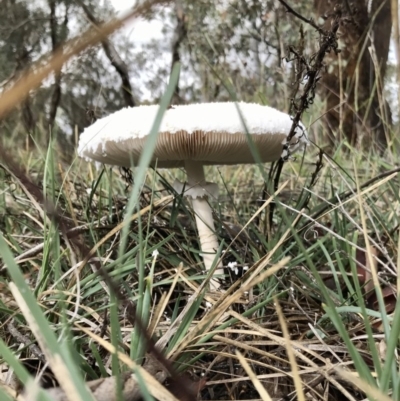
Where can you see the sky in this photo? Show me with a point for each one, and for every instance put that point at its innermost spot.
(138, 30)
(121, 5)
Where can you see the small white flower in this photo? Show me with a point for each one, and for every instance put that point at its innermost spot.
(208, 305)
(155, 253)
(233, 267)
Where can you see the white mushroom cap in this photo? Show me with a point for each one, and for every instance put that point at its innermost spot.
(210, 133)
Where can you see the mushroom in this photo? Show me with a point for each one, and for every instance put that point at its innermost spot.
(192, 136)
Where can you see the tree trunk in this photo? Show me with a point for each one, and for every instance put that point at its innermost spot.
(115, 59)
(352, 84)
(55, 43)
(180, 35)
(28, 118)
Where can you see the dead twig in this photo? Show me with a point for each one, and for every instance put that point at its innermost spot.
(312, 68)
(308, 21)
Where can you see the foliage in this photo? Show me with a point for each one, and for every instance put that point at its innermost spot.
(89, 88)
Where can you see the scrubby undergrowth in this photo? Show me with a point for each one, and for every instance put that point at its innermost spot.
(308, 297)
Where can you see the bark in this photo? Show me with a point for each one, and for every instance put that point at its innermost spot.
(55, 43)
(56, 95)
(381, 29)
(396, 42)
(352, 85)
(115, 59)
(28, 120)
(179, 37)
(27, 116)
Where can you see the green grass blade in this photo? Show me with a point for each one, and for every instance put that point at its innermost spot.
(147, 155)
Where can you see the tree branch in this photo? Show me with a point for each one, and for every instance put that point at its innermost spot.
(304, 19)
(114, 57)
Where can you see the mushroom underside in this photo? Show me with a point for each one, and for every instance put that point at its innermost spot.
(172, 150)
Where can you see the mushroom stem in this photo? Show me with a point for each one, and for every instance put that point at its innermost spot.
(204, 219)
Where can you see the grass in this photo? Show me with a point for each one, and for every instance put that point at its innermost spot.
(326, 339)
